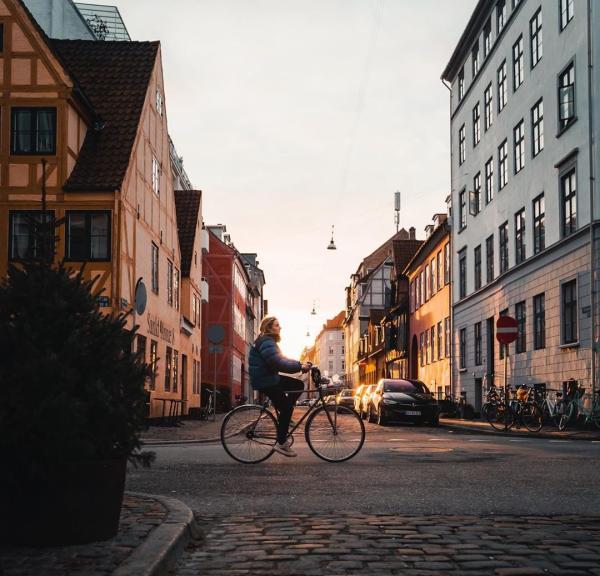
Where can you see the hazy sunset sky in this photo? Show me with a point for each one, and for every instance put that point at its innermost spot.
(293, 115)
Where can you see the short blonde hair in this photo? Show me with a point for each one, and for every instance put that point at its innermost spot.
(266, 327)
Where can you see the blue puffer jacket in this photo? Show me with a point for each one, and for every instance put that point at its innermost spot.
(265, 361)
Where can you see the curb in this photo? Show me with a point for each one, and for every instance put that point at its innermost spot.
(516, 433)
(160, 551)
(174, 442)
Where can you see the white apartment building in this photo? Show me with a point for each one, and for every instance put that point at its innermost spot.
(524, 121)
(329, 347)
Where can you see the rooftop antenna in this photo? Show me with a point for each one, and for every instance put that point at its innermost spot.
(397, 209)
(331, 242)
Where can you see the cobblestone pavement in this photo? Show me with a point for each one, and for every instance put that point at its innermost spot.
(196, 430)
(385, 545)
(139, 516)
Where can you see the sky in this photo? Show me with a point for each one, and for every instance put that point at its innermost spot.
(293, 116)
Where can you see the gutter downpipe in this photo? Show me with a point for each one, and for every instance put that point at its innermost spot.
(450, 248)
(593, 272)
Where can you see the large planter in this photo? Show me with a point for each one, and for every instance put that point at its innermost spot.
(75, 503)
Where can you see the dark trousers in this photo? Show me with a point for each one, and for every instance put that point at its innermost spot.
(284, 399)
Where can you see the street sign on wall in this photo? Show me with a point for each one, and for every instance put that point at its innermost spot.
(507, 329)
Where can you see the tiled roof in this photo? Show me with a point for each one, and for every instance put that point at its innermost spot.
(379, 255)
(187, 206)
(335, 322)
(404, 251)
(114, 78)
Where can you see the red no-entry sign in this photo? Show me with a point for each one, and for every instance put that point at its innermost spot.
(506, 329)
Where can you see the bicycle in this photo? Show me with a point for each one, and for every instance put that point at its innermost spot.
(333, 432)
(581, 405)
(521, 409)
(552, 407)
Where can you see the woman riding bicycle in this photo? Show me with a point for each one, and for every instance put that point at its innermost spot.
(265, 363)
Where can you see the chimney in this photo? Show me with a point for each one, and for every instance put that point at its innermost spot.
(411, 233)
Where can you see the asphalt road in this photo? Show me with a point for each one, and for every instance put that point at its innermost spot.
(400, 470)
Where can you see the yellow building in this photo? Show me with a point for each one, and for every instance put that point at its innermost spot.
(86, 121)
(429, 309)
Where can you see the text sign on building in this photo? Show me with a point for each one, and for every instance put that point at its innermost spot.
(506, 329)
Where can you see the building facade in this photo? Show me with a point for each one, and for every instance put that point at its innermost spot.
(98, 147)
(330, 354)
(428, 274)
(524, 127)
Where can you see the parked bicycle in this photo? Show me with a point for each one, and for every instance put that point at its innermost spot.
(521, 410)
(552, 406)
(333, 432)
(581, 406)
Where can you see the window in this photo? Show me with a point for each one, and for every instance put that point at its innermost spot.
(503, 246)
(475, 59)
(462, 350)
(331, 351)
(461, 84)
(141, 347)
(502, 87)
(426, 345)
(569, 311)
(176, 277)
(487, 38)
(154, 268)
(519, 146)
(488, 112)
(447, 336)
(33, 131)
(477, 268)
(500, 15)
(503, 347)
(1, 38)
(489, 180)
(153, 363)
(520, 317)
(461, 144)
(520, 248)
(440, 267)
(88, 235)
(447, 263)
(476, 124)
(539, 231)
(433, 276)
(502, 165)
(477, 329)
(566, 97)
(462, 209)
(31, 235)
(518, 63)
(489, 259)
(440, 349)
(175, 369)
(537, 128)
(155, 176)
(568, 190)
(330, 365)
(566, 13)
(539, 321)
(535, 33)
(462, 272)
(159, 101)
(475, 207)
(168, 368)
(421, 349)
(169, 283)
(432, 342)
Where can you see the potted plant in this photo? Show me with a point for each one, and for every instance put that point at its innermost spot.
(71, 408)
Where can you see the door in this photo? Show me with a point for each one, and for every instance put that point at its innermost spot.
(478, 395)
(184, 379)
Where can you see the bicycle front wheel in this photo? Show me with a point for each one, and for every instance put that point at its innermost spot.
(248, 434)
(532, 417)
(335, 433)
(568, 415)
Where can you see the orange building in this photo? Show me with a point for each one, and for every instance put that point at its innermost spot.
(86, 120)
(429, 309)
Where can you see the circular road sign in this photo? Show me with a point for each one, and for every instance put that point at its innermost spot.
(141, 297)
(506, 329)
(215, 333)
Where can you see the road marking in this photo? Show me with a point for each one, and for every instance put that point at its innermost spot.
(516, 440)
(559, 440)
(395, 439)
(478, 440)
(438, 439)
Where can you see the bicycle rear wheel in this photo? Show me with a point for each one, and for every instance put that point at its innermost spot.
(499, 417)
(248, 434)
(567, 415)
(532, 417)
(335, 433)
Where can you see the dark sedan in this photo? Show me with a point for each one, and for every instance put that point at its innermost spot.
(403, 400)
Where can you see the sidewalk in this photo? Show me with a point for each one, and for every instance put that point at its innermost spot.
(190, 431)
(482, 427)
(152, 533)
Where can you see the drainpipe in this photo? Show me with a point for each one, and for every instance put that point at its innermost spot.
(594, 346)
(451, 283)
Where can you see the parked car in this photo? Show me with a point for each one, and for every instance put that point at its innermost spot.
(365, 401)
(345, 398)
(398, 399)
(358, 394)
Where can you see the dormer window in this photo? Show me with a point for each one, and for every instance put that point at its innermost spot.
(33, 131)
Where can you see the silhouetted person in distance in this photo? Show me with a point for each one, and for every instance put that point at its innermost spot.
(266, 361)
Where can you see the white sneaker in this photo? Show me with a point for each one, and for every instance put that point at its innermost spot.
(284, 449)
